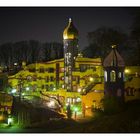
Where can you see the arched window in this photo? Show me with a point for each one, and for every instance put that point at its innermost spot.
(112, 76)
(119, 75)
(105, 76)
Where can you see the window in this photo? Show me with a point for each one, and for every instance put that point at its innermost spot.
(51, 78)
(50, 70)
(41, 70)
(119, 75)
(47, 79)
(112, 76)
(105, 76)
(83, 67)
(47, 87)
(32, 70)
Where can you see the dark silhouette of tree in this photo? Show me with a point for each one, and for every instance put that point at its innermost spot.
(29, 51)
(34, 49)
(102, 39)
(53, 50)
(135, 37)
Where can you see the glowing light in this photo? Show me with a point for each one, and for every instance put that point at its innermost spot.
(15, 64)
(27, 88)
(67, 104)
(79, 89)
(51, 104)
(63, 86)
(54, 89)
(91, 79)
(75, 109)
(10, 120)
(78, 100)
(86, 106)
(127, 71)
(13, 91)
(1, 117)
(84, 90)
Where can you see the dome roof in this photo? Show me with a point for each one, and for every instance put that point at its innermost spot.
(114, 59)
(70, 31)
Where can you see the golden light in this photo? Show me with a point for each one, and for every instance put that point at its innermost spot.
(91, 79)
(127, 71)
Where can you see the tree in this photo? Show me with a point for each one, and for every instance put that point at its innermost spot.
(135, 36)
(102, 39)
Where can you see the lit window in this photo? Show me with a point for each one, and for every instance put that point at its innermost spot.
(119, 74)
(105, 76)
(113, 76)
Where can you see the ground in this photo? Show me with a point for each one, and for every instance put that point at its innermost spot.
(126, 121)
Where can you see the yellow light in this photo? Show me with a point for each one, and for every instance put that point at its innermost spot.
(127, 71)
(91, 79)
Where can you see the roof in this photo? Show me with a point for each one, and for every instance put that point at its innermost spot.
(70, 31)
(114, 59)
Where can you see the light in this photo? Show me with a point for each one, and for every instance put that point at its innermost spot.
(13, 91)
(127, 71)
(79, 89)
(54, 89)
(1, 117)
(27, 88)
(86, 106)
(10, 120)
(15, 64)
(78, 100)
(51, 104)
(75, 109)
(67, 104)
(91, 79)
(84, 89)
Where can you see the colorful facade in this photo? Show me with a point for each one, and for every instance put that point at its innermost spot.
(74, 80)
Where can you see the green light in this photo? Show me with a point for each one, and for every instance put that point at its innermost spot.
(75, 109)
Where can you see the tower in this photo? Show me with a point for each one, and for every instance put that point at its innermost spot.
(114, 74)
(70, 41)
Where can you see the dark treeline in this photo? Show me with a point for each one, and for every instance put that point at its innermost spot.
(101, 40)
(29, 51)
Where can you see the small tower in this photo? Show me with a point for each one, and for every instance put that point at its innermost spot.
(114, 74)
(70, 41)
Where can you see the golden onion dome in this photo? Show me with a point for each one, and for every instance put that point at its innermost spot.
(70, 31)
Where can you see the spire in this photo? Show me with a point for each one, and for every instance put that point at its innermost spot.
(114, 59)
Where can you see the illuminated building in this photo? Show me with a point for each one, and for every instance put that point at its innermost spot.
(70, 40)
(75, 79)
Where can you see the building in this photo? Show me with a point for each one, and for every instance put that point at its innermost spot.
(74, 80)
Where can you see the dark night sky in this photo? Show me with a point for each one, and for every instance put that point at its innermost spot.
(47, 24)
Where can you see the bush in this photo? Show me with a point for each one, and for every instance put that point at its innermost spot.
(112, 105)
